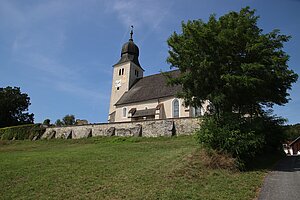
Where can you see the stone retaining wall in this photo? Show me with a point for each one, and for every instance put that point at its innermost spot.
(153, 128)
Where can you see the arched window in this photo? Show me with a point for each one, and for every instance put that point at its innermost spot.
(175, 106)
(119, 72)
(124, 112)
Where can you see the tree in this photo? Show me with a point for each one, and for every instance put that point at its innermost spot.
(59, 123)
(69, 120)
(13, 107)
(46, 122)
(243, 72)
(232, 63)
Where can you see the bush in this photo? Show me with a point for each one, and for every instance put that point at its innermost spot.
(273, 130)
(242, 137)
(21, 132)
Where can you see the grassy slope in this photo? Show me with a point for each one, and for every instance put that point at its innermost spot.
(109, 168)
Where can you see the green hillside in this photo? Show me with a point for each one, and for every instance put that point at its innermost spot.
(118, 168)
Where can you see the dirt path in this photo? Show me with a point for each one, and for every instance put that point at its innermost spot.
(283, 183)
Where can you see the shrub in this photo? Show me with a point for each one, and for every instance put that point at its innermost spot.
(242, 137)
(273, 130)
(47, 122)
(21, 132)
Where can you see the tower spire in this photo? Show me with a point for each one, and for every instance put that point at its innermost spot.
(131, 33)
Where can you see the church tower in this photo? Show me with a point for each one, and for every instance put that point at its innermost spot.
(125, 74)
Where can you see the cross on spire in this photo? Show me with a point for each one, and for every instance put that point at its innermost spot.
(131, 33)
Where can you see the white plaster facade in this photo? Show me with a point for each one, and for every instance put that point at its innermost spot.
(124, 77)
(165, 112)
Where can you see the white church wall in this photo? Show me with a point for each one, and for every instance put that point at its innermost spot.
(168, 109)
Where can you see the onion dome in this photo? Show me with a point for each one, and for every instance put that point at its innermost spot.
(130, 52)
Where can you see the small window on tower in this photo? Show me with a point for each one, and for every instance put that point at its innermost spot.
(119, 72)
(118, 88)
(122, 71)
(137, 73)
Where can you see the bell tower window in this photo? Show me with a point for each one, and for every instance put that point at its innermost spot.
(136, 73)
(121, 71)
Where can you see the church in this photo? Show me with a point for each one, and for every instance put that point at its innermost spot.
(135, 97)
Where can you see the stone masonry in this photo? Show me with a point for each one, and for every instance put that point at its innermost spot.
(149, 128)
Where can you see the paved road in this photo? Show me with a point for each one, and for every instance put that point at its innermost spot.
(283, 183)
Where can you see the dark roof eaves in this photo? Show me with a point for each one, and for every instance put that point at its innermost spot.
(119, 63)
(117, 104)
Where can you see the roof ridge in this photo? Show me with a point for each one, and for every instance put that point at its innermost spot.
(161, 73)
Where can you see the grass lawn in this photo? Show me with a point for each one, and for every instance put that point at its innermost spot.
(116, 168)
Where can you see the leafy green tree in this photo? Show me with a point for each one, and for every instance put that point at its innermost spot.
(232, 63)
(243, 72)
(69, 120)
(59, 123)
(46, 122)
(13, 107)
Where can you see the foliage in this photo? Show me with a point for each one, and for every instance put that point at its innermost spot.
(232, 63)
(13, 105)
(59, 123)
(21, 132)
(46, 122)
(69, 120)
(292, 132)
(242, 72)
(273, 130)
(244, 138)
(66, 121)
(98, 168)
(230, 136)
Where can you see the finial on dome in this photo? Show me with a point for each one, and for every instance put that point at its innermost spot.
(131, 33)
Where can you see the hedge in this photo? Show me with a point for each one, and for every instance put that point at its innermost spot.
(22, 132)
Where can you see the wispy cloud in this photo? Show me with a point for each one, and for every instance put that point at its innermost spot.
(38, 35)
(37, 40)
(141, 13)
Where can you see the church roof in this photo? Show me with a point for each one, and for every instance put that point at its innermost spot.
(150, 87)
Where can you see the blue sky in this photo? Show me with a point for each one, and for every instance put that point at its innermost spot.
(61, 52)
